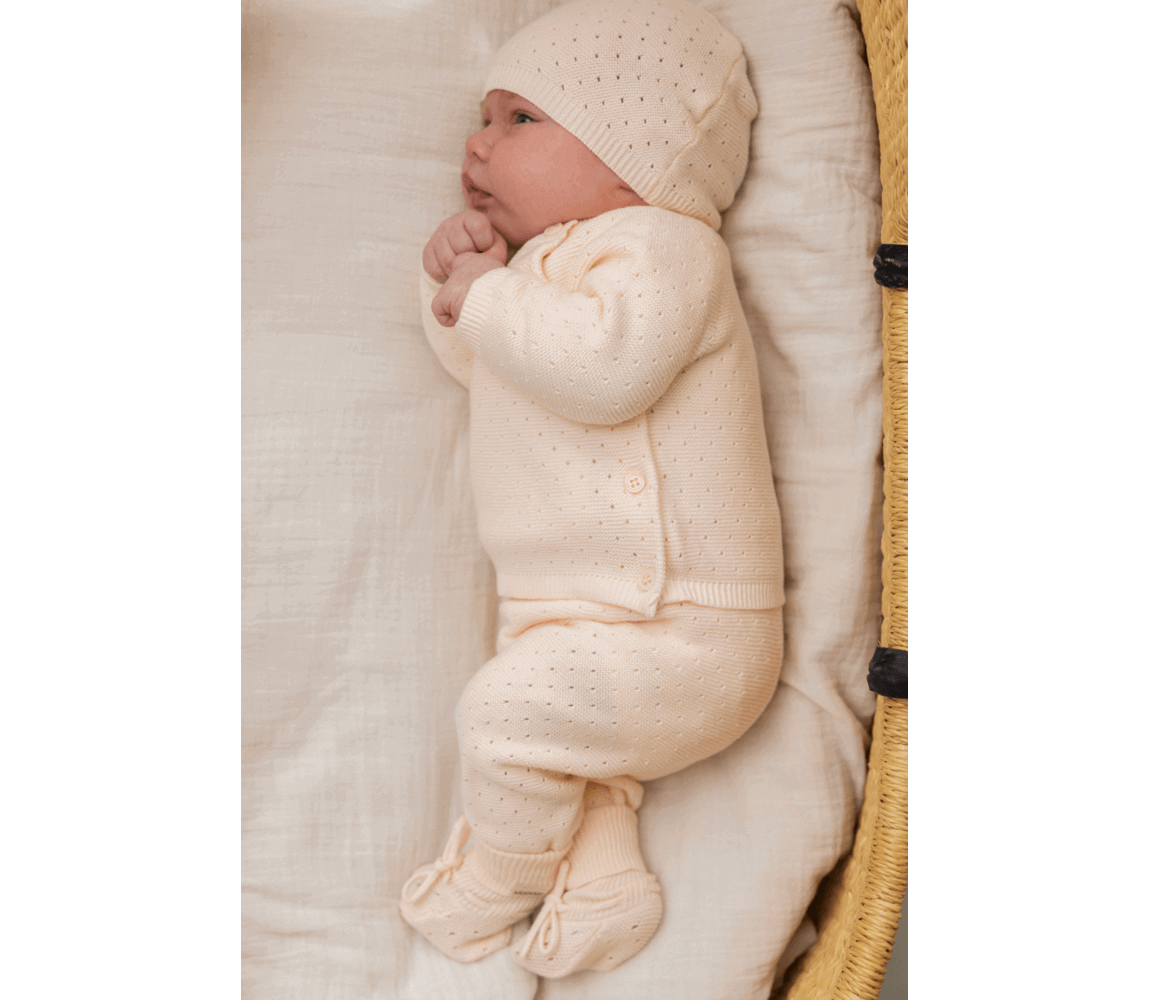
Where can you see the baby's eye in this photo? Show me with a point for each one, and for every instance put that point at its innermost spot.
(518, 118)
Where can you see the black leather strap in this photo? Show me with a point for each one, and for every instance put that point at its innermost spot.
(890, 265)
(887, 674)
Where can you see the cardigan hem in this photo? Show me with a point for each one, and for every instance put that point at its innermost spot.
(731, 596)
(626, 593)
(623, 593)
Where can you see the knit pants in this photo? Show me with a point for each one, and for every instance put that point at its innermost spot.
(580, 691)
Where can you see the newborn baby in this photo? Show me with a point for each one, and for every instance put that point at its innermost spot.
(619, 465)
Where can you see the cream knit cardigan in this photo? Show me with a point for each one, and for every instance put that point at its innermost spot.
(617, 444)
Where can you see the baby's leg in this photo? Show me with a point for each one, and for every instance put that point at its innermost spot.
(541, 718)
(605, 905)
(572, 699)
(465, 904)
(581, 692)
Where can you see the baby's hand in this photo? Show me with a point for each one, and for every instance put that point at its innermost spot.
(467, 232)
(448, 303)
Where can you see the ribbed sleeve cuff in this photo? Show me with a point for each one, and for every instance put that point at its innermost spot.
(478, 307)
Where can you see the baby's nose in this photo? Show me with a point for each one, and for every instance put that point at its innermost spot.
(477, 145)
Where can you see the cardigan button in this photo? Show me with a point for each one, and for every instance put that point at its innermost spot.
(635, 483)
(646, 579)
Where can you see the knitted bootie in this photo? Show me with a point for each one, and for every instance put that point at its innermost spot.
(605, 905)
(465, 904)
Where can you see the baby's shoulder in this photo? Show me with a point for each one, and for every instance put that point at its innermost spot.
(650, 218)
(657, 235)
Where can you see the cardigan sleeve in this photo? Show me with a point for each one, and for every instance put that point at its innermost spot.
(605, 352)
(444, 341)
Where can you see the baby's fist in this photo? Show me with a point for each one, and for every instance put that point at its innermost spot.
(448, 303)
(467, 232)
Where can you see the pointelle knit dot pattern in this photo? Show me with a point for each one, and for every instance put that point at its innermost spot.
(582, 691)
(618, 450)
(624, 494)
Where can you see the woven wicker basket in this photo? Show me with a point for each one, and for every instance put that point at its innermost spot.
(858, 906)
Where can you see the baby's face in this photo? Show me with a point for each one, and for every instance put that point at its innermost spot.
(527, 172)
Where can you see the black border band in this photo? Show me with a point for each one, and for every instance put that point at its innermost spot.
(890, 265)
(887, 674)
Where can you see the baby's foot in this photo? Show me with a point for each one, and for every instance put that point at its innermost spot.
(597, 926)
(466, 908)
(605, 905)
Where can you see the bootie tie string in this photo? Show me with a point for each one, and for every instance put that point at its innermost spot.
(545, 927)
(421, 883)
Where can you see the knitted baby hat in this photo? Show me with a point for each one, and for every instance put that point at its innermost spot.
(657, 89)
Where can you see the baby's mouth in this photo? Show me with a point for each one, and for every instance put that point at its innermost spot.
(474, 192)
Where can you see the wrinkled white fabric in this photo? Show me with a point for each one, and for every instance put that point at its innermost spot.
(368, 602)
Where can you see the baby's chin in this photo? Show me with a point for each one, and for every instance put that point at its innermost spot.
(516, 233)
(515, 236)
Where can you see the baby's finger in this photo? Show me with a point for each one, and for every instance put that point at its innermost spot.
(498, 248)
(456, 240)
(441, 308)
(445, 255)
(432, 263)
(478, 227)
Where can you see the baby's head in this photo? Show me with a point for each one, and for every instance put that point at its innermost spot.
(527, 172)
(602, 104)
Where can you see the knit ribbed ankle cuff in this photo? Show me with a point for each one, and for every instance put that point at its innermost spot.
(606, 843)
(516, 874)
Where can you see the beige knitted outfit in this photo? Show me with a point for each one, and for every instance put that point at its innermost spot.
(624, 494)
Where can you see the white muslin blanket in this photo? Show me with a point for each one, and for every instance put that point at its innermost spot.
(368, 602)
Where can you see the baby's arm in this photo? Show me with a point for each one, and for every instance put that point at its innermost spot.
(462, 249)
(466, 235)
(453, 355)
(644, 309)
